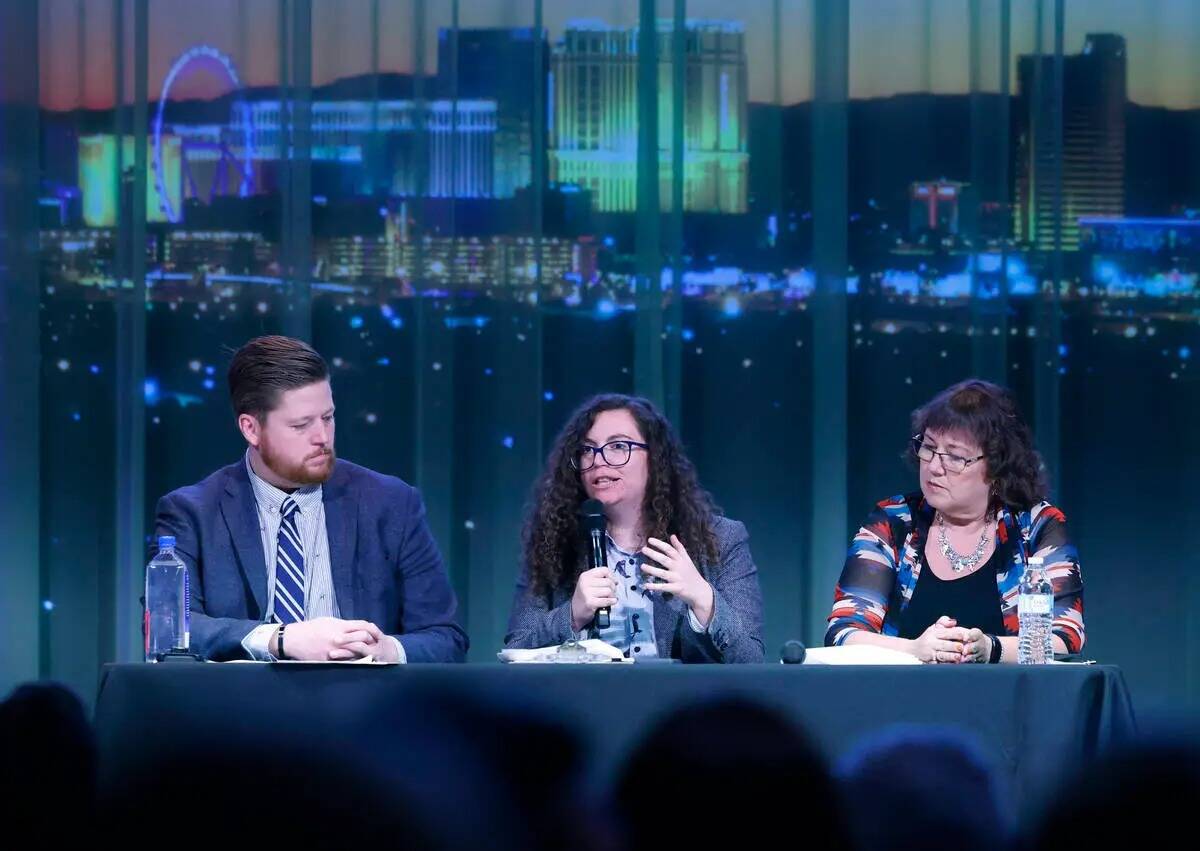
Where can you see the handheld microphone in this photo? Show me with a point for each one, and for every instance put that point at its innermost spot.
(793, 653)
(591, 515)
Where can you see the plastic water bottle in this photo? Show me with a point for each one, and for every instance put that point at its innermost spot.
(168, 600)
(1035, 612)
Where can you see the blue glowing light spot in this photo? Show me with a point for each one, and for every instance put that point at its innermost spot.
(466, 321)
(508, 442)
(209, 384)
(548, 396)
(1107, 272)
(356, 322)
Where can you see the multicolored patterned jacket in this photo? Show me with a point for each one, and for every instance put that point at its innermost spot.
(883, 564)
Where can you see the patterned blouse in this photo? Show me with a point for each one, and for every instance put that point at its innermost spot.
(884, 562)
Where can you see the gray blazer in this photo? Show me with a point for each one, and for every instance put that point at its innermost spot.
(734, 633)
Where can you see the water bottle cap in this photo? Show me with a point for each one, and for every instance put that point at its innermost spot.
(166, 542)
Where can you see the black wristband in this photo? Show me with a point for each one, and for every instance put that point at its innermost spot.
(280, 654)
(996, 650)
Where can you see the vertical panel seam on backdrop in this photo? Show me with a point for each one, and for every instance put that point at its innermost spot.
(648, 319)
(829, 447)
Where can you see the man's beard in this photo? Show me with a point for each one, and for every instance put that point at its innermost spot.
(300, 474)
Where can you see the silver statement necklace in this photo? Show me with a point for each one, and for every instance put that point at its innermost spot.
(959, 563)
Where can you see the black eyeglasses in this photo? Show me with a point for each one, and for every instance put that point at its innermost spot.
(616, 453)
(952, 462)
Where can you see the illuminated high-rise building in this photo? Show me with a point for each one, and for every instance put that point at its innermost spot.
(98, 178)
(498, 65)
(1093, 141)
(594, 118)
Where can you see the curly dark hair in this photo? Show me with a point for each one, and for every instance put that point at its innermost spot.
(674, 502)
(989, 415)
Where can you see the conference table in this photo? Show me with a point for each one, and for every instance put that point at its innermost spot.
(1033, 722)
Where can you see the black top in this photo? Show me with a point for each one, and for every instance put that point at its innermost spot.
(973, 601)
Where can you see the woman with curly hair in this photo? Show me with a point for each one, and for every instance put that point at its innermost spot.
(936, 573)
(680, 582)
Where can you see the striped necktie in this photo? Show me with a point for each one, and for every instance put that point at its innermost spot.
(289, 567)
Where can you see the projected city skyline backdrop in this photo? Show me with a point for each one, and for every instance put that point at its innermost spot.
(470, 283)
(1162, 73)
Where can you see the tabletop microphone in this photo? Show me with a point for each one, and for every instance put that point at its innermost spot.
(793, 653)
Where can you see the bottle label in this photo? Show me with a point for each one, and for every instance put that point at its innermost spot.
(1035, 604)
(187, 610)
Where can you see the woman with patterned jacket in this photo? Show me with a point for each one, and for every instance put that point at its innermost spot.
(936, 573)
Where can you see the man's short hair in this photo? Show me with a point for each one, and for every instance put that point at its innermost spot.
(263, 369)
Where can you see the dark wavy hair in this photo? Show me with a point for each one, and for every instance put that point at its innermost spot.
(989, 415)
(674, 503)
